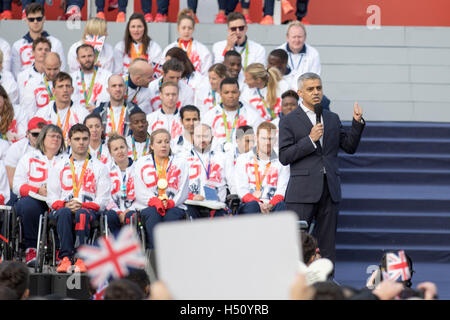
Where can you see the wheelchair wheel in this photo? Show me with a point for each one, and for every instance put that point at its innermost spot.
(41, 244)
(6, 248)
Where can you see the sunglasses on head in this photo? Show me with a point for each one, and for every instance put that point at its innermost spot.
(39, 19)
(240, 28)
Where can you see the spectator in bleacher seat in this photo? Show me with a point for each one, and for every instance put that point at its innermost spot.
(8, 82)
(6, 49)
(13, 124)
(95, 28)
(40, 48)
(5, 191)
(115, 113)
(194, 79)
(15, 275)
(289, 102)
(77, 191)
(139, 140)
(168, 116)
(62, 111)
(207, 97)
(140, 75)
(237, 40)
(39, 89)
(190, 116)
(97, 145)
(31, 175)
(259, 176)
(161, 199)
(22, 56)
(89, 80)
(173, 70)
(314, 188)
(302, 57)
(207, 177)
(233, 62)
(120, 205)
(198, 53)
(278, 58)
(228, 6)
(226, 117)
(137, 44)
(263, 91)
(23, 146)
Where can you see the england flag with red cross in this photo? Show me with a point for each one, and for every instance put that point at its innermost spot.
(397, 267)
(113, 256)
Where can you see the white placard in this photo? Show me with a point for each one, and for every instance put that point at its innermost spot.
(245, 257)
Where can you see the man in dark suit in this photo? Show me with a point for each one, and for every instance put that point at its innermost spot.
(311, 150)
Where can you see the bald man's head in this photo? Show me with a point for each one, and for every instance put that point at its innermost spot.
(52, 65)
(116, 89)
(141, 72)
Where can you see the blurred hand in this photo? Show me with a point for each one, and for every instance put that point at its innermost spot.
(388, 290)
(43, 190)
(231, 40)
(316, 132)
(357, 112)
(430, 290)
(299, 289)
(159, 291)
(198, 197)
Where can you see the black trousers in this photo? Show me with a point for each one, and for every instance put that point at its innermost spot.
(325, 213)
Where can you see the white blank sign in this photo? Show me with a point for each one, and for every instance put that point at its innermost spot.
(244, 257)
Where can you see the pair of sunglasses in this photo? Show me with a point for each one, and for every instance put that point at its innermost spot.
(35, 134)
(240, 28)
(39, 19)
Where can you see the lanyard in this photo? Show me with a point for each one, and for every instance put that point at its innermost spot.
(161, 171)
(87, 96)
(99, 152)
(66, 124)
(135, 94)
(137, 54)
(267, 107)
(121, 119)
(229, 134)
(188, 49)
(246, 54)
(144, 152)
(203, 165)
(258, 178)
(292, 62)
(49, 91)
(77, 181)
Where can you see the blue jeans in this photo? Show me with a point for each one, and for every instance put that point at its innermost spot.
(25, 3)
(29, 209)
(253, 207)
(230, 5)
(100, 4)
(151, 217)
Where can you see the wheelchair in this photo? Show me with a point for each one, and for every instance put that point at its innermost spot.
(11, 240)
(48, 239)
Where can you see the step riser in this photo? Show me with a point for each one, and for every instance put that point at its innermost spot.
(393, 205)
(395, 178)
(375, 255)
(398, 222)
(393, 239)
(416, 147)
(402, 130)
(400, 162)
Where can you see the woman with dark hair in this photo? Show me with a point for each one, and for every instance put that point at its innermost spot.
(97, 145)
(13, 119)
(30, 182)
(161, 183)
(197, 52)
(192, 78)
(136, 44)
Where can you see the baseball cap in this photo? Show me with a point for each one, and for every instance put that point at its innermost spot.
(33, 123)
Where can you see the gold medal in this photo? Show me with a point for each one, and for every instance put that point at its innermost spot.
(227, 146)
(162, 184)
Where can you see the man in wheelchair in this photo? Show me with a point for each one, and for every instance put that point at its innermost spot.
(207, 178)
(259, 177)
(78, 190)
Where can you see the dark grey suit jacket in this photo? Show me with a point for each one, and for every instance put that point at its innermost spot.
(306, 162)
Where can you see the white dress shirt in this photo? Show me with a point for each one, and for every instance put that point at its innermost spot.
(312, 117)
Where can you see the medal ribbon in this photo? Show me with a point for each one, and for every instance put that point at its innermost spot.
(121, 120)
(229, 134)
(188, 49)
(258, 178)
(267, 107)
(66, 124)
(203, 165)
(144, 152)
(75, 180)
(87, 96)
(49, 91)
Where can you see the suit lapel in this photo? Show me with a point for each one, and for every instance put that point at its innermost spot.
(304, 118)
(326, 124)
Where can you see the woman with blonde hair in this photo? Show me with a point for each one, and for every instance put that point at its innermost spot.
(94, 28)
(136, 44)
(207, 97)
(264, 89)
(197, 52)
